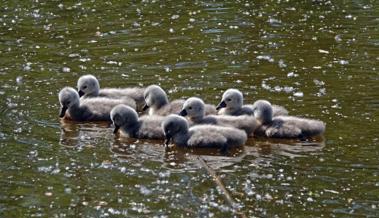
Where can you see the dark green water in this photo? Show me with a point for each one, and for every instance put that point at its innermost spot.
(319, 59)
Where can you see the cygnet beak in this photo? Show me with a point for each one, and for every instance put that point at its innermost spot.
(221, 105)
(81, 93)
(145, 107)
(63, 111)
(116, 128)
(183, 113)
(168, 139)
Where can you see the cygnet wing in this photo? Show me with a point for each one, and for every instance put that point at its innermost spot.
(206, 136)
(173, 107)
(151, 127)
(278, 110)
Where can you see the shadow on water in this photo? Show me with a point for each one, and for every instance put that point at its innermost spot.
(77, 135)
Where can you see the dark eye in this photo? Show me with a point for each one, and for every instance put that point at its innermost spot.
(84, 87)
(68, 102)
(190, 108)
(228, 99)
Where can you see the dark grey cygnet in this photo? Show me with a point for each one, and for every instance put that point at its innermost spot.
(88, 86)
(284, 126)
(91, 109)
(156, 101)
(176, 128)
(193, 109)
(126, 119)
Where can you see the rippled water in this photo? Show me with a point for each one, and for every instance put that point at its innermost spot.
(317, 58)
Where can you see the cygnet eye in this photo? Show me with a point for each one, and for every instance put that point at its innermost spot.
(228, 99)
(68, 102)
(190, 108)
(84, 87)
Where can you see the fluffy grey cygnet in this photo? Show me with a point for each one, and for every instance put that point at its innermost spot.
(156, 101)
(176, 129)
(193, 109)
(91, 109)
(88, 86)
(284, 126)
(145, 127)
(232, 104)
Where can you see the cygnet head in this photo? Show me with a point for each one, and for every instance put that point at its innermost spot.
(173, 125)
(155, 97)
(68, 97)
(263, 111)
(88, 85)
(193, 108)
(122, 115)
(232, 99)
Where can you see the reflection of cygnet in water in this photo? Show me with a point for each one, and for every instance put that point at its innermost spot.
(158, 104)
(145, 127)
(284, 126)
(176, 128)
(69, 134)
(83, 134)
(232, 104)
(91, 109)
(193, 108)
(289, 148)
(88, 86)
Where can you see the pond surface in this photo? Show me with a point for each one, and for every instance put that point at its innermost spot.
(317, 58)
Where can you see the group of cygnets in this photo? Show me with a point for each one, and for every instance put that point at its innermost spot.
(188, 122)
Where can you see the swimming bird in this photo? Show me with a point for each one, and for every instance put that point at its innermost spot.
(156, 101)
(88, 86)
(284, 126)
(145, 127)
(193, 109)
(232, 104)
(176, 129)
(91, 109)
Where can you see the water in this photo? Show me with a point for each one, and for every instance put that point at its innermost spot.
(319, 59)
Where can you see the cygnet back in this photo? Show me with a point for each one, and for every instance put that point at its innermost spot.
(176, 128)
(88, 86)
(284, 126)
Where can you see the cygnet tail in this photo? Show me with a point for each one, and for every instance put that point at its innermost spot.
(279, 111)
(314, 128)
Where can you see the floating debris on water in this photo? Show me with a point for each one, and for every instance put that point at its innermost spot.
(66, 70)
(265, 57)
(19, 80)
(27, 66)
(323, 51)
(298, 94)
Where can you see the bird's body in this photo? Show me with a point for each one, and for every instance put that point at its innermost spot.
(89, 87)
(172, 107)
(92, 109)
(244, 110)
(291, 127)
(136, 93)
(157, 103)
(278, 110)
(194, 109)
(284, 126)
(145, 127)
(232, 104)
(176, 128)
